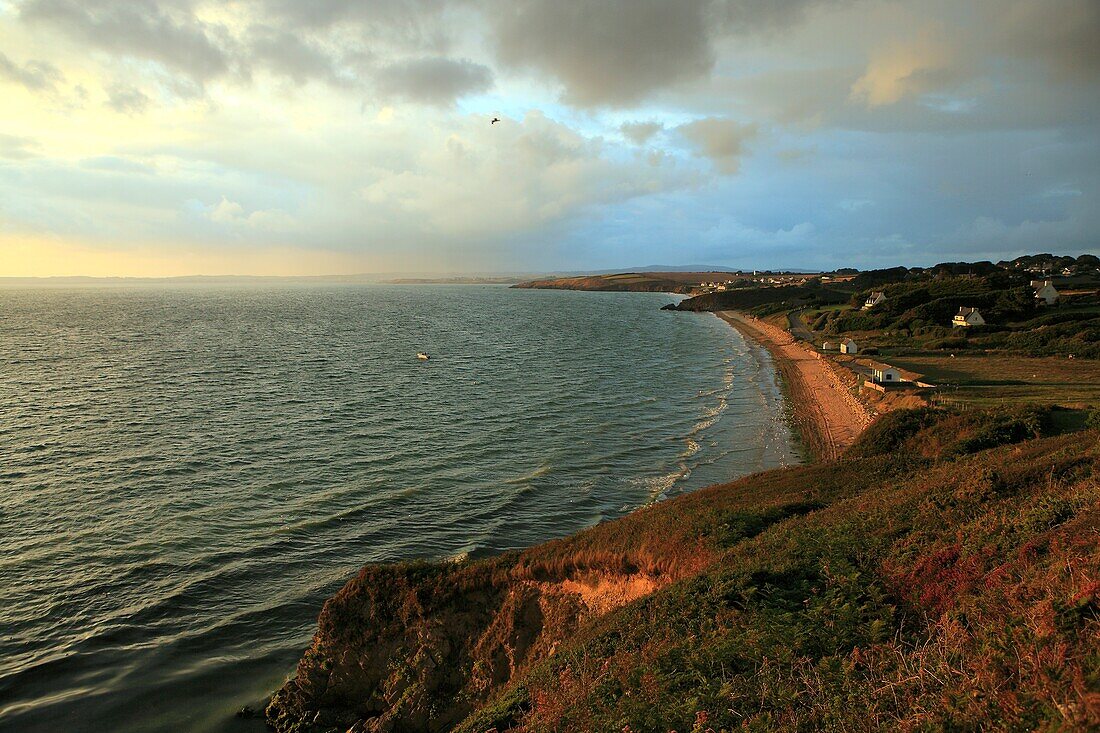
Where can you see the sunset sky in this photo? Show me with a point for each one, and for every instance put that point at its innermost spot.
(171, 137)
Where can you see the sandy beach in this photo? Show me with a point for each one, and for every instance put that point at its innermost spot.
(828, 416)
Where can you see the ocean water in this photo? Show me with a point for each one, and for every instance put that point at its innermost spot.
(187, 473)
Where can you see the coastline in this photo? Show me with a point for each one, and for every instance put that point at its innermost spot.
(827, 416)
(505, 642)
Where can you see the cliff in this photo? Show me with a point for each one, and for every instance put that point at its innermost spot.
(944, 574)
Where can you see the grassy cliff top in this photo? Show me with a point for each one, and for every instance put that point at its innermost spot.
(945, 574)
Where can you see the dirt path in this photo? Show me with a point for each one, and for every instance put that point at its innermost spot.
(827, 415)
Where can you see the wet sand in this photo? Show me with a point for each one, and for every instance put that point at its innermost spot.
(826, 413)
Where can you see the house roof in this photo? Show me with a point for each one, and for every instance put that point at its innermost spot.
(848, 341)
(964, 311)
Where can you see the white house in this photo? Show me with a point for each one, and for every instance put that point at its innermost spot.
(884, 373)
(873, 300)
(828, 346)
(968, 317)
(1045, 292)
(847, 346)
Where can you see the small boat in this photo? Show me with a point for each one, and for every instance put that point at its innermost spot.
(422, 356)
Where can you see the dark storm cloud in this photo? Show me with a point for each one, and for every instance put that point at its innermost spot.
(748, 16)
(617, 52)
(287, 53)
(168, 33)
(1063, 33)
(607, 51)
(35, 76)
(433, 80)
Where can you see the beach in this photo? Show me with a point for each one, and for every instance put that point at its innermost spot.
(827, 415)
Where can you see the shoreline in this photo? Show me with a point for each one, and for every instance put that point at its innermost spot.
(828, 418)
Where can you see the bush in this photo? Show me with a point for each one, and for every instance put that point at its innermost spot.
(951, 342)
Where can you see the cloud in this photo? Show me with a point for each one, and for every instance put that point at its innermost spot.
(288, 53)
(116, 164)
(1065, 34)
(515, 178)
(990, 235)
(433, 80)
(225, 211)
(14, 147)
(796, 156)
(360, 127)
(126, 99)
(640, 132)
(607, 52)
(906, 68)
(731, 240)
(750, 16)
(34, 76)
(232, 214)
(720, 140)
(167, 33)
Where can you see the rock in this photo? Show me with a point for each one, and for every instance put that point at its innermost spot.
(247, 712)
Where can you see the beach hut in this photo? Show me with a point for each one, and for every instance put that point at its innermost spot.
(847, 346)
(967, 317)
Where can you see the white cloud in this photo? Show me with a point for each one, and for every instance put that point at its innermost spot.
(225, 211)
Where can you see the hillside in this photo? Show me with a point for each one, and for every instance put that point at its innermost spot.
(638, 282)
(764, 300)
(944, 574)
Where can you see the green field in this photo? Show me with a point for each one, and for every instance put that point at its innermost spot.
(992, 378)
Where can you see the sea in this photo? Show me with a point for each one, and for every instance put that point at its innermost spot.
(188, 472)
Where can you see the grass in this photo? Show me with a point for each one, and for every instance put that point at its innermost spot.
(987, 379)
(943, 575)
(962, 595)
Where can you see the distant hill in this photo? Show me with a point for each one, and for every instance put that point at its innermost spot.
(644, 282)
(455, 280)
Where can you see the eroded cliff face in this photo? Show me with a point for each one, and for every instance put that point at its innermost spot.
(418, 647)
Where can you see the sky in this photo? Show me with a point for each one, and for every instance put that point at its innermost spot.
(283, 137)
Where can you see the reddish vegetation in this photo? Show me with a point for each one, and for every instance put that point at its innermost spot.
(889, 590)
(937, 581)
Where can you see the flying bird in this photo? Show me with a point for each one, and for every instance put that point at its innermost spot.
(494, 121)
